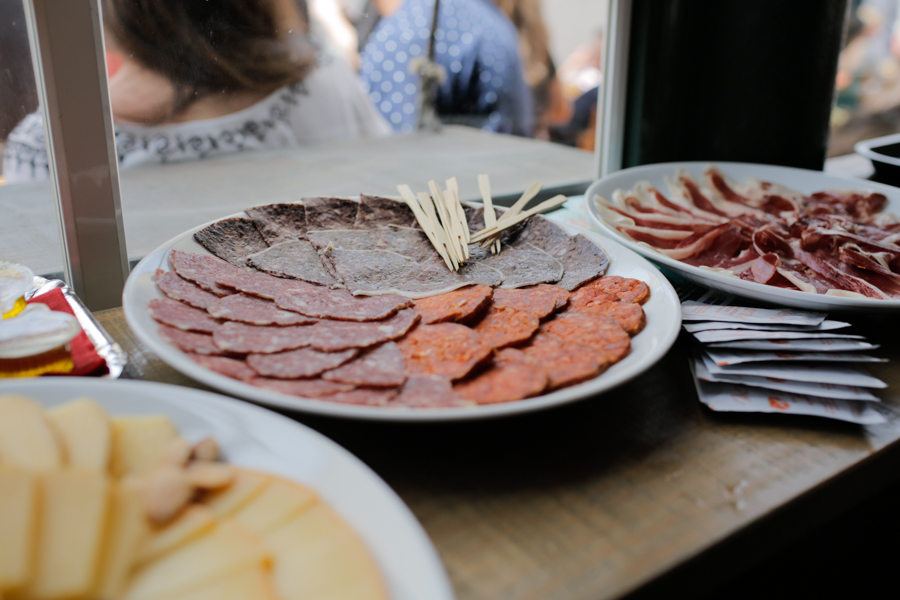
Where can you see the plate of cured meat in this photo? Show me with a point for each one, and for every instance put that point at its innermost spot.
(344, 307)
(781, 235)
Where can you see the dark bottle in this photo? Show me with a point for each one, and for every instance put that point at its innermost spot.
(731, 80)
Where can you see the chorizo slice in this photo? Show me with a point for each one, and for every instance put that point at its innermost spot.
(502, 326)
(446, 349)
(599, 332)
(534, 300)
(511, 376)
(623, 288)
(457, 305)
(566, 363)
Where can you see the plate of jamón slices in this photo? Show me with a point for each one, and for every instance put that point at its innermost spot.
(780, 235)
(142, 491)
(344, 307)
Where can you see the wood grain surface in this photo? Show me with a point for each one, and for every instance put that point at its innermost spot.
(603, 497)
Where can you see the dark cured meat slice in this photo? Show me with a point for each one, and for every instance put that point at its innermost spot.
(179, 288)
(334, 336)
(305, 388)
(298, 364)
(241, 338)
(230, 367)
(295, 259)
(370, 271)
(364, 396)
(623, 288)
(536, 301)
(203, 270)
(181, 316)
(566, 363)
(259, 284)
(629, 315)
(187, 341)
(583, 261)
(444, 349)
(405, 241)
(434, 276)
(429, 391)
(457, 305)
(330, 213)
(232, 239)
(408, 241)
(503, 326)
(511, 376)
(524, 264)
(599, 332)
(323, 303)
(383, 366)
(541, 232)
(376, 210)
(255, 311)
(279, 222)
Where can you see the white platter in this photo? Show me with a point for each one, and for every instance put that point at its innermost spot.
(799, 179)
(663, 312)
(257, 438)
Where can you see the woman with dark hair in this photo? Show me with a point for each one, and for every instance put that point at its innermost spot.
(202, 78)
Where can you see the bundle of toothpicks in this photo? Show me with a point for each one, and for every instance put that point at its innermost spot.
(441, 216)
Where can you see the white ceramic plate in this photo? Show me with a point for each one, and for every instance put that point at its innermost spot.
(663, 321)
(253, 437)
(798, 179)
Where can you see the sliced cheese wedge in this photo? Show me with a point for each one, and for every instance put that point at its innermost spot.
(139, 443)
(26, 439)
(251, 584)
(126, 528)
(278, 502)
(84, 432)
(245, 487)
(71, 519)
(226, 549)
(193, 522)
(18, 526)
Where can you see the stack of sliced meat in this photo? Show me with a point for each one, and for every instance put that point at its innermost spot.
(833, 242)
(472, 345)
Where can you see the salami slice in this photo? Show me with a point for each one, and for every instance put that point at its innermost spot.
(203, 270)
(241, 338)
(623, 288)
(179, 288)
(230, 367)
(305, 388)
(232, 239)
(446, 349)
(536, 301)
(629, 316)
(511, 376)
(298, 364)
(255, 311)
(334, 336)
(295, 259)
(566, 363)
(179, 315)
(502, 326)
(324, 303)
(429, 391)
(589, 295)
(279, 222)
(364, 396)
(383, 366)
(457, 305)
(258, 284)
(599, 332)
(188, 341)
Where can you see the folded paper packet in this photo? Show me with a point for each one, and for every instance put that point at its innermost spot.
(698, 311)
(710, 325)
(821, 373)
(730, 335)
(814, 345)
(725, 357)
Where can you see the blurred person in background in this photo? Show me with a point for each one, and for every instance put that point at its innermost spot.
(581, 79)
(549, 104)
(477, 46)
(201, 79)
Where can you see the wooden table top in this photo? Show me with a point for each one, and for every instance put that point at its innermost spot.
(637, 490)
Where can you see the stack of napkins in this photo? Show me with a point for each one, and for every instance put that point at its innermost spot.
(781, 361)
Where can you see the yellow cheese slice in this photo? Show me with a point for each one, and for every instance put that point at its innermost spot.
(84, 432)
(18, 521)
(226, 549)
(193, 522)
(126, 528)
(316, 555)
(139, 443)
(71, 518)
(278, 502)
(246, 486)
(26, 439)
(250, 584)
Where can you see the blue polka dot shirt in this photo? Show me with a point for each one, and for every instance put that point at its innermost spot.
(477, 45)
